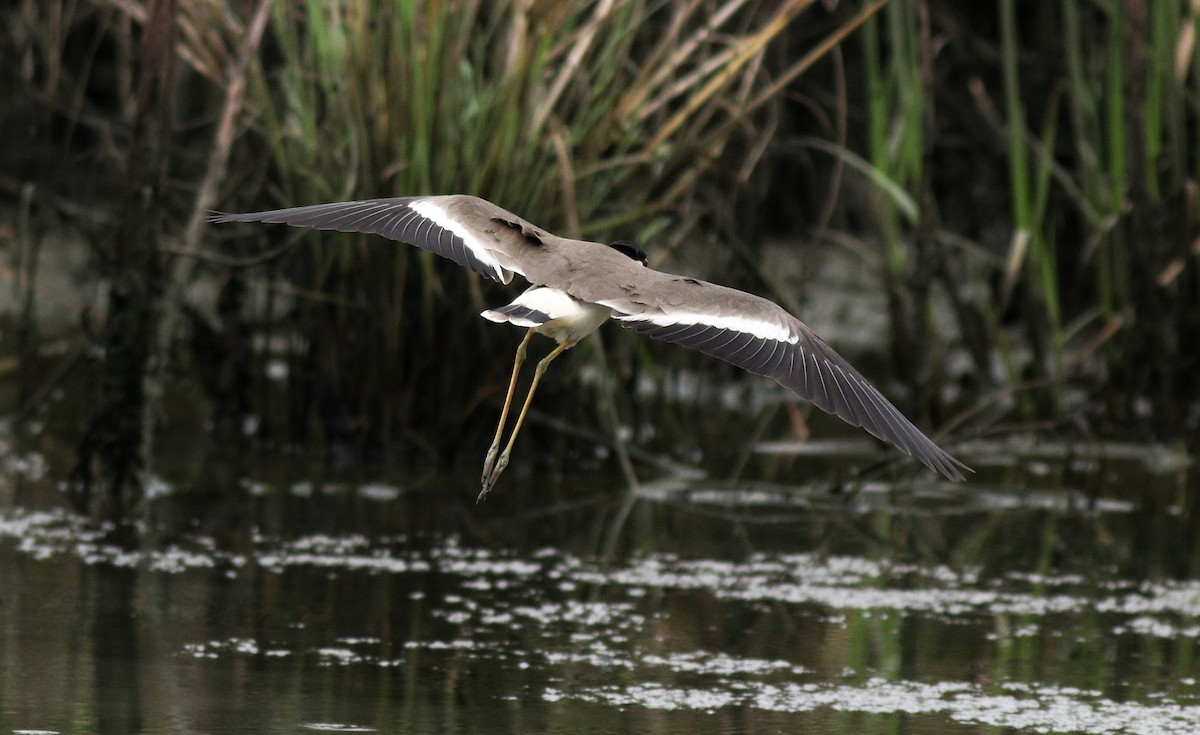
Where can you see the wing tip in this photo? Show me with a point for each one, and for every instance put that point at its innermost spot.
(954, 470)
(940, 461)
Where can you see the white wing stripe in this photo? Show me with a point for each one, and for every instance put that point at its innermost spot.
(438, 216)
(745, 325)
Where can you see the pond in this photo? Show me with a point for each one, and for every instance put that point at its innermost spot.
(274, 596)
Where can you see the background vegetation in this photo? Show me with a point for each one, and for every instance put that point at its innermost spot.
(1028, 169)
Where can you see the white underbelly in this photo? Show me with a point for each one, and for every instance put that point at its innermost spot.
(556, 314)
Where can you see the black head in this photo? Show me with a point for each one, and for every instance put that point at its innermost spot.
(631, 249)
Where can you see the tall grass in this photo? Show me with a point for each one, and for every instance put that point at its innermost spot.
(1031, 255)
(1089, 114)
(1131, 109)
(895, 101)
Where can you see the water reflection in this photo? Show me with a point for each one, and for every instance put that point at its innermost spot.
(279, 601)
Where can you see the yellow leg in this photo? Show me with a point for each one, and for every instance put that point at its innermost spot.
(512, 386)
(490, 478)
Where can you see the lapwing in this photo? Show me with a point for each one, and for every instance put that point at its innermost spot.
(577, 285)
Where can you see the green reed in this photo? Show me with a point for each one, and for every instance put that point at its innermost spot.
(896, 101)
(1095, 125)
(1132, 94)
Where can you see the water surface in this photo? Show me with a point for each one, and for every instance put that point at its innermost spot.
(278, 598)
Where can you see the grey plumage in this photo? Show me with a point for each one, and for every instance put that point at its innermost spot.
(748, 331)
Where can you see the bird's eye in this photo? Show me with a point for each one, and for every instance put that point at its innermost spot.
(630, 249)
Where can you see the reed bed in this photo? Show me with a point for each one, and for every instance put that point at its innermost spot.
(595, 118)
(1041, 171)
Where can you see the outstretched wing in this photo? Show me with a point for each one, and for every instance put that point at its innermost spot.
(472, 232)
(759, 336)
(745, 330)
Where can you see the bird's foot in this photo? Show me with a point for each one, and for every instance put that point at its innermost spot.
(491, 473)
(489, 462)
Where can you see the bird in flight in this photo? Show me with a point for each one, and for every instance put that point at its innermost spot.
(577, 285)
